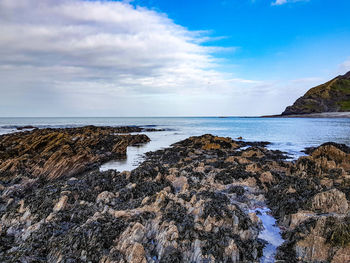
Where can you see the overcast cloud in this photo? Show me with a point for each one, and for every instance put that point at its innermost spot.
(86, 58)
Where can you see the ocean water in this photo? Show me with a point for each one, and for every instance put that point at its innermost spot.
(291, 135)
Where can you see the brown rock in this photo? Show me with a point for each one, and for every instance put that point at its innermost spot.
(313, 249)
(62, 152)
(332, 201)
(297, 218)
(61, 204)
(342, 255)
(21, 208)
(329, 157)
(232, 251)
(267, 177)
(179, 182)
(105, 197)
(253, 153)
(137, 254)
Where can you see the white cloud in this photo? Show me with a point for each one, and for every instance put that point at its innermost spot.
(74, 57)
(344, 67)
(282, 2)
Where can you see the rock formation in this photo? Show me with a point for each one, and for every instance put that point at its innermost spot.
(62, 152)
(312, 204)
(333, 96)
(192, 202)
(188, 203)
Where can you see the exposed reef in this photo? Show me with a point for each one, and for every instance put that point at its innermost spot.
(197, 201)
(53, 153)
(312, 204)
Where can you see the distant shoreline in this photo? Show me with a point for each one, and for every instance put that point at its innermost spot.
(313, 115)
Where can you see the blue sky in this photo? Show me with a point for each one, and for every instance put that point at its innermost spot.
(167, 58)
(291, 40)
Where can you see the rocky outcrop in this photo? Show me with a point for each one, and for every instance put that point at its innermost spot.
(312, 205)
(53, 153)
(333, 96)
(187, 203)
(197, 201)
(331, 201)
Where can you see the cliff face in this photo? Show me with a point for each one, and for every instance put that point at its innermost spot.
(332, 96)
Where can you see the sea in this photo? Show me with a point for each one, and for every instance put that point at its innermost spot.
(291, 135)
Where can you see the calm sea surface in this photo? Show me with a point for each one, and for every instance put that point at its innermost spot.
(290, 135)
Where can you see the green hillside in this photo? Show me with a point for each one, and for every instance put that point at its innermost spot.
(332, 96)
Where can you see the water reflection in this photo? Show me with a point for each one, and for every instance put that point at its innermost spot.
(135, 154)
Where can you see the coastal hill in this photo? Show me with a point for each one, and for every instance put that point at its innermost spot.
(332, 96)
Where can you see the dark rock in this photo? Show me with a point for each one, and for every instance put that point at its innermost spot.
(54, 153)
(144, 215)
(28, 127)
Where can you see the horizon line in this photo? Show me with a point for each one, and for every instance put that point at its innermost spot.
(212, 116)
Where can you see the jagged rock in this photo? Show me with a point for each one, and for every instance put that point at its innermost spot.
(62, 152)
(331, 201)
(342, 255)
(311, 202)
(187, 203)
(105, 197)
(61, 204)
(170, 209)
(267, 177)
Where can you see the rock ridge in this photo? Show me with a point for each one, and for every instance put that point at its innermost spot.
(195, 201)
(63, 152)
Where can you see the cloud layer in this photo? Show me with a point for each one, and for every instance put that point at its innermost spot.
(99, 54)
(109, 58)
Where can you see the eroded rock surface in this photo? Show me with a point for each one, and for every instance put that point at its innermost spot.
(188, 203)
(196, 201)
(312, 204)
(62, 152)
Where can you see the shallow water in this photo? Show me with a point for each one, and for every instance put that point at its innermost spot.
(287, 134)
(135, 154)
(271, 234)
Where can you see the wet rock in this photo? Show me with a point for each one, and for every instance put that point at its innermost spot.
(61, 204)
(342, 255)
(62, 152)
(331, 201)
(267, 178)
(191, 202)
(311, 202)
(27, 127)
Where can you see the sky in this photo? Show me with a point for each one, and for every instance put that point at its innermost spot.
(166, 57)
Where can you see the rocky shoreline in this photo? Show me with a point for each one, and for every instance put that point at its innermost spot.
(200, 200)
(63, 152)
(313, 115)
